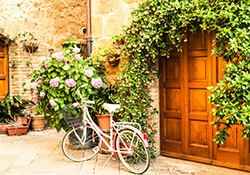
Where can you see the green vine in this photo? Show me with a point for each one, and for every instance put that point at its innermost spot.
(158, 25)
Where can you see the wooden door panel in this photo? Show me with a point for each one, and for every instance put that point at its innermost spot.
(198, 70)
(197, 113)
(172, 68)
(173, 103)
(171, 125)
(197, 41)
(198, 101)
(232, 151)
(4, 71)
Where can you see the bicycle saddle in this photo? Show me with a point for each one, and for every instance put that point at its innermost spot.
(111, 107)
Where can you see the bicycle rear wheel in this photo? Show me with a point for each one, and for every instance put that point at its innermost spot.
(132, 151)
(81, 144)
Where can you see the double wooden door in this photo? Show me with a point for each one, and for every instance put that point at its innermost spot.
(185, 111)
(4, 71)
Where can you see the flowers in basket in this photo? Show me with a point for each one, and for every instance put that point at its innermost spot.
(56, 80)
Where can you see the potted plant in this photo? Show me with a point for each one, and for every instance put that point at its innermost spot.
(14, 113)
(105, 53)
(37, 122)
(105, 96)
(118, 39)
(29, 42)
(71, 43)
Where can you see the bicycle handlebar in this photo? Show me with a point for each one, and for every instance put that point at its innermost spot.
(83, 99)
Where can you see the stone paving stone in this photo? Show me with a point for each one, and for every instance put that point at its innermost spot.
(25, 159)
(6, 160)
(110, 168)
(88, 167)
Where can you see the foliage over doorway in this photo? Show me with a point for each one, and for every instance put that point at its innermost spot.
(158, 25)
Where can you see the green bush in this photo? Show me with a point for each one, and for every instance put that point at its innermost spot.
(57, 79)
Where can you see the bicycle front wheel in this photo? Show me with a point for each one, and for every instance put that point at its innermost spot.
(81, 144)
(132, 151)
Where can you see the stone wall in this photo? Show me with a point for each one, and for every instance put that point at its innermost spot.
(108, 17)
(52, 22)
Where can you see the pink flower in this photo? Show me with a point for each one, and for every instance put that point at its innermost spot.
(52, 102)
(67, 51)
(70, 83)
(88, 73)
(77, 56)
(36, 99)
(58, 55)
(42, 94)
(76, 50)
(34, 85)
(40, 67)
(39, 82)
(46, 64)
(96, 83)
(54, 82)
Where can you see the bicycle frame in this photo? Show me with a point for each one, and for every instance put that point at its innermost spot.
(88, 120)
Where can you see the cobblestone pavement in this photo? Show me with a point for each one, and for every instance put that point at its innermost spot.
(39, 153)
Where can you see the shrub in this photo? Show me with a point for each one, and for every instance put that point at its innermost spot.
(57, 79)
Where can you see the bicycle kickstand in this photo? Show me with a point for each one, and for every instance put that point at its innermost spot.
(107, 160)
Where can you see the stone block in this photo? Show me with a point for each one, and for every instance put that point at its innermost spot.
(101, 7)
(97, 26)
(58, 5)
(132, 1)
(115, 22)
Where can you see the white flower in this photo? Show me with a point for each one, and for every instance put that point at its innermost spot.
(66, 67)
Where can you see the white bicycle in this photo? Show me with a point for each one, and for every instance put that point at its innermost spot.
(84, 140)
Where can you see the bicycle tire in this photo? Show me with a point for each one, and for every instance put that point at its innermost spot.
(75, 150)
(139, 160)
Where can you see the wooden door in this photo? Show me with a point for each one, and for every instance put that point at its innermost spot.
(185, 114)
(4, 71)
(197, 77)
(234, 152)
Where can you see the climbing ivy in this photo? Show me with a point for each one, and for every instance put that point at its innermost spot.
(159, 25)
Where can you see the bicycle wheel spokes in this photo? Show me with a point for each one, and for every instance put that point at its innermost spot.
(132, 151)
(81, 144)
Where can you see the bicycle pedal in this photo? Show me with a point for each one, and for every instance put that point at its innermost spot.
(96, 149)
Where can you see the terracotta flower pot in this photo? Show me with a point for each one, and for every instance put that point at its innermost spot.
(38, 122)
(118, 43)
(104, 123)
(17, 130)
(112, 59)
(3, 129)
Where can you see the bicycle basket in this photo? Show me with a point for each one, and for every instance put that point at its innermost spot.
(72, 115)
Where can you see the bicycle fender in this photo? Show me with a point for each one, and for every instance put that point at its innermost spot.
(134, 130)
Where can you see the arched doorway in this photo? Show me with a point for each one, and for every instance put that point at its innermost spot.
(185, 111)
(4, 70)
